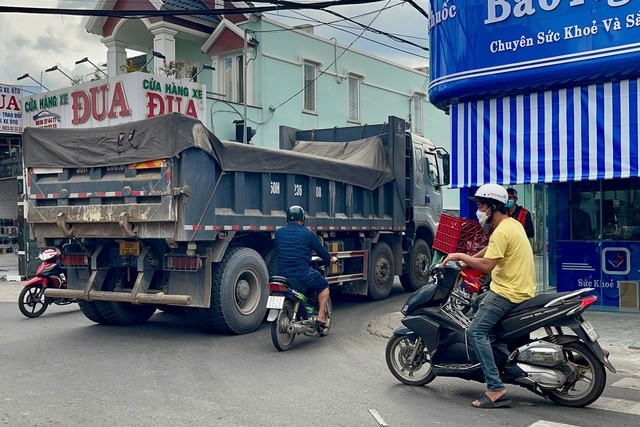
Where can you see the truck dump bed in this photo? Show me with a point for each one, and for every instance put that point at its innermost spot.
(170, 178)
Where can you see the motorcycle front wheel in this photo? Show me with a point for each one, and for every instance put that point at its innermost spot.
(398, 354)
(589, 381)
(32, 302)
(282, 340)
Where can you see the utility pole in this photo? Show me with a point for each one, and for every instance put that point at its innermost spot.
(245, 63)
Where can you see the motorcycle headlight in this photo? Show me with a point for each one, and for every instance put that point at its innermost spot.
(404, 309)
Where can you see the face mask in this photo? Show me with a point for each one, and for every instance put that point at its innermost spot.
(510, 204)
(482, 217)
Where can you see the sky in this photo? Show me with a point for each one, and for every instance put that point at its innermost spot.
(33, 43)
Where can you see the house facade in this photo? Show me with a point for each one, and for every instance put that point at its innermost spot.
(272, 74)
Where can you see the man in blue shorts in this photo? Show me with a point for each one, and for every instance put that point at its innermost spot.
(294, 244)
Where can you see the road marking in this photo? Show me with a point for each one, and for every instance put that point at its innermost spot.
(543, 423)
(617, 405)
(378, 418)
(632, 383)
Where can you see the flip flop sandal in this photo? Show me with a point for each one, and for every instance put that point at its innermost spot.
(487, 403)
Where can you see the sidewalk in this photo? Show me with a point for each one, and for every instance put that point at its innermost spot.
(9, 267)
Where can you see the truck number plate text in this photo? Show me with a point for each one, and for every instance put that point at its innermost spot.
(129, 248)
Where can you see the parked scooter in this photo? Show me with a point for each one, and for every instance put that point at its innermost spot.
(567, 368)
(50, 274)
(293, 313)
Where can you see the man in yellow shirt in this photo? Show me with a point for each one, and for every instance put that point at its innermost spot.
(509, 258)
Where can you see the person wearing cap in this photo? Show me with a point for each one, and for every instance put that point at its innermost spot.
(521, 215)
(509, 258)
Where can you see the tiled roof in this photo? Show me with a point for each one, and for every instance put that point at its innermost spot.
(191, 5)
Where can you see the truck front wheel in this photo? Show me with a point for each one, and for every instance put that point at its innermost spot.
(238, 294)
(419, 262)
(381, 274)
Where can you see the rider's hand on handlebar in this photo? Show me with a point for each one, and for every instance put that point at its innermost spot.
(452, 257)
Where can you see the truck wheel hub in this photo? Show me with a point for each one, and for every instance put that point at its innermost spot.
(243, 290)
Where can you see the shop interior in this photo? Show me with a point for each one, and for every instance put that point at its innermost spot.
(10, 170)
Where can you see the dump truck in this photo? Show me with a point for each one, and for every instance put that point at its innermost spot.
(161, 214)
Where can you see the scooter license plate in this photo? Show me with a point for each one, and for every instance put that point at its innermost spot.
(276, 302)
(588, 328)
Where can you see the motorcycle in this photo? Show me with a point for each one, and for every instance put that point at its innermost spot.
(292, 313)
(50, 274)
(566, 368)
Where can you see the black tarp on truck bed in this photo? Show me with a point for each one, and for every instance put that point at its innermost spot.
(362, 163)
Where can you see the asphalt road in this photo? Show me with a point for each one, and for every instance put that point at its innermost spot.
(61, 369)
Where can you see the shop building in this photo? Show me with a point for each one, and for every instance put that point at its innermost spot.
(11, 236)
(542, 97)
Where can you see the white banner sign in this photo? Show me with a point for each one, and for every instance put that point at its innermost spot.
(115, 100)
(10, 109)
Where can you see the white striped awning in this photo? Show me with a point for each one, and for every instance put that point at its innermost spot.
(576, 134)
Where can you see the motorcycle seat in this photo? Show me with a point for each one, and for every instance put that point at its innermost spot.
(297, 284)
(537, 301)
(278, 279)
(293, 283)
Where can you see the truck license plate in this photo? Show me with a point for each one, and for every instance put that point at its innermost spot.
(129, 248)
(275, 302)
(590, 331)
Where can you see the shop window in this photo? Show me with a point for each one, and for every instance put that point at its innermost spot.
(577, 214)
(621, 209)
(594, 210)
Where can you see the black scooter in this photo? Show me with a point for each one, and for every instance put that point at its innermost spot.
(543, 344)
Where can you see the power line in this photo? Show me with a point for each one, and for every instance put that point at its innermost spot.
(418, 8)
(368, 27)
(339, 28)
(334, 61)
(334, 24)
(138, 14)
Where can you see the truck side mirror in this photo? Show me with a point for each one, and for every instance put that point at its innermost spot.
(444, 157)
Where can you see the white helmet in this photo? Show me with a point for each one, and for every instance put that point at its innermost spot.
(491, 192)
(48, 254)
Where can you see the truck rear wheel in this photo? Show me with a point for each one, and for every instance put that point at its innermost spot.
(381, 274)
(238, 294)
(419, 261)
(122, 313)
(90, 311)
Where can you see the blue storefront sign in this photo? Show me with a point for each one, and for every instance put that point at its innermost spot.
(483, 48)
(610, 268)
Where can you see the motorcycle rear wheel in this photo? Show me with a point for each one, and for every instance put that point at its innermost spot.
(592, 377)
(282, 340)
(399, 349)
(32, 302)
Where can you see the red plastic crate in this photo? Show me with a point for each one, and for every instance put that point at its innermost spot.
(457, 234)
